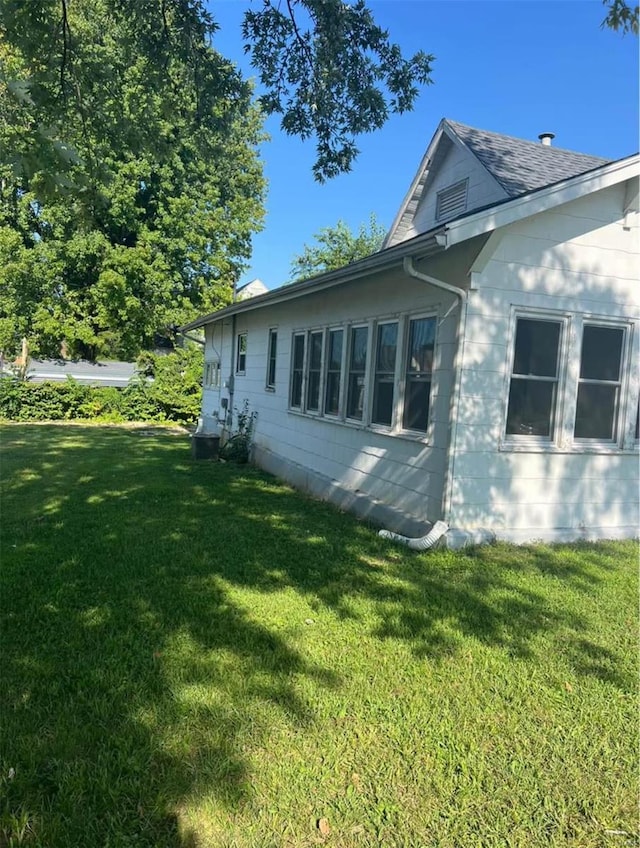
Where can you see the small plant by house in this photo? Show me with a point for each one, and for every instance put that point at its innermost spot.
(237, 448)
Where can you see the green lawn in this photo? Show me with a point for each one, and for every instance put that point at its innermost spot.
(195, 655)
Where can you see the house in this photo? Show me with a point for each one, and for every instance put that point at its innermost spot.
(251, 289)
(482, 368)
(81, 370)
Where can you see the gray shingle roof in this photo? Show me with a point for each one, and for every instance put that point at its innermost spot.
(520, 166)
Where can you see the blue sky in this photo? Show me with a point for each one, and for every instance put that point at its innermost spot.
(519, 67)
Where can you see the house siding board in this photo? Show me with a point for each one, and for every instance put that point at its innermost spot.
(576, 261)
(401, 472)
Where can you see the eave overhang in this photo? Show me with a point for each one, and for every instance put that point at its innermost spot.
(422, 246)
(435, 241)
(507, 212)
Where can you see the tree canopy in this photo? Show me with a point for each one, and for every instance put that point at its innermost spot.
(335, 247)
(129, 180)
(621, 16)
(130, 184)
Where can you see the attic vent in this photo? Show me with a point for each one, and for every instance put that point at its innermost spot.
(452, 200)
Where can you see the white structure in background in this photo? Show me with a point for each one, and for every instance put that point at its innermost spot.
(481, 369)
(251, 289)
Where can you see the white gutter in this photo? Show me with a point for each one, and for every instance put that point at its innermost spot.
(440, 527)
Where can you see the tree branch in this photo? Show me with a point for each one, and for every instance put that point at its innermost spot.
(66, 32)
(299, 38)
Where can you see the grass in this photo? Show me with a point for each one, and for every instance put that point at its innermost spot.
(194, 655)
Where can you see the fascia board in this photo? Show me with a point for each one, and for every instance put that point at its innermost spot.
(424, 166)
(541, 200)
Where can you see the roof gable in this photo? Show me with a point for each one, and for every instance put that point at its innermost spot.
(509, 167)
(520, 165)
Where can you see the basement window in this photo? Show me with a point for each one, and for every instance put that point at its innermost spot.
(452, 201)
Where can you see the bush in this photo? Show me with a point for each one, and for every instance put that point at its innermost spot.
(176, 389)
(173, 395)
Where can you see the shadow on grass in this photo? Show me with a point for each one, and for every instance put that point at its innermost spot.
(124, 638)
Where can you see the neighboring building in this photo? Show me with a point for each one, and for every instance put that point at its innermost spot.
(481, 369)
(82, 371)
(251, 289)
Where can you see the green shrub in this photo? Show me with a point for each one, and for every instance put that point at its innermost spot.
(176, 389)
(174, 394)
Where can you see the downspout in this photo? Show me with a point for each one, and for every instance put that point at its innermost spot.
(440, 527)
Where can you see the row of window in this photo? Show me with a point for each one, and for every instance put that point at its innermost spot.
(538, 375)
(380, 373)
(376, 373)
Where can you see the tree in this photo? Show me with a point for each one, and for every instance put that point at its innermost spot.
(336, 247)
(621, 17)
(333, 74)
(129, 180)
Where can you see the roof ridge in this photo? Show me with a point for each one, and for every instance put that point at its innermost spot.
(536, 144)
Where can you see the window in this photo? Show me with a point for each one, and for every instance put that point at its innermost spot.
(534, 378)
(241, 354)
(212, 375)
(334, 373)
(314, 371)
(272, 352)
(451, 201)
(297, 370)
(356, 373)
(600, 382)
(422, 334)
(384, 376)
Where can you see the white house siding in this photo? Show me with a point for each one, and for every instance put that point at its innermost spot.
(458, 165)
(332, 459)
(576, 260)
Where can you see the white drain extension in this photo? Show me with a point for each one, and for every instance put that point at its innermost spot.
(423, 544)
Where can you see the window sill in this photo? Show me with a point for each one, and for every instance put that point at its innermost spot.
(574, 449)
(406, 435)
(270, 389)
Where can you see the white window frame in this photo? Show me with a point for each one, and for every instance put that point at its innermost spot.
(368, 326)
(404, 368)
(396, 428)
(317, 331)
(622, 384)
(373, 361)
(272, 359)
(557, 413)
(335, 416)
(295, 335)
(241, 341)
(562, 438)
